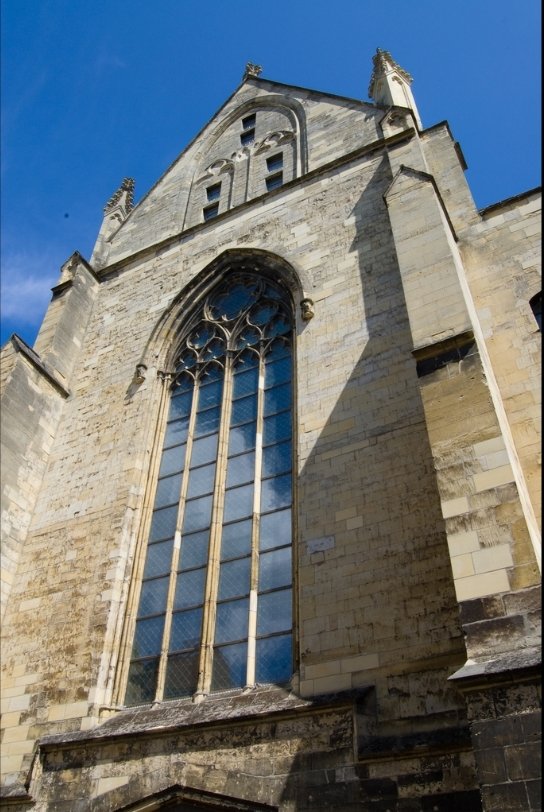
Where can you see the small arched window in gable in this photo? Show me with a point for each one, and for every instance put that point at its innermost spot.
(536, 307)
(215, 609)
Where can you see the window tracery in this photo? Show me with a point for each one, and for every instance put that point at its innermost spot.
(215, 608)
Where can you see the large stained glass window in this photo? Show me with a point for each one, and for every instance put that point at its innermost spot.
(215, 608)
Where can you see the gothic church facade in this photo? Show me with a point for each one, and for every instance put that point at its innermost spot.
(271, 488)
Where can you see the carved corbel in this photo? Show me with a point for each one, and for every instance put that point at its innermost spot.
(307, 311)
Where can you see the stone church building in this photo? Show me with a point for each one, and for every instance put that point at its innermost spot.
(271, 481)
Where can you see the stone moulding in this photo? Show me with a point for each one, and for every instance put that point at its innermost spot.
(34, 359)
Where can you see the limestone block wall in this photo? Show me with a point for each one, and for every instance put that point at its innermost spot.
(370, 533)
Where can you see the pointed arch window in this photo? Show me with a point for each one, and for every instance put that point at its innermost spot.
(215, 608)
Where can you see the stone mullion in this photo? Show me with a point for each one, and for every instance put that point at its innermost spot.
(161, 677)
(254, 579)
(212, 578)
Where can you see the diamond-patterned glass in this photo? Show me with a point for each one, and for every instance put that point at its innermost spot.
(242, 438)
(148, 637)
(207, 421)
(277, 372)
(274, 659)
(158, 559)
(163, 523)
(245, 383)
(234, 578)
(275, 569)
(236, 539)
(142, 682)
(248, 337)
(277, 427)
(194, 550)
(181, 675)
(231, 621)
(176, 432)
(190, 589)
(276, 529)
(241, 469)
(204, 450)
(262, 314)
(276, 493)
(276, 459)
(274, 612)
(280, 348)
(180, 405)
(201, 481)
(244, 410)
(229, 667)
(229, 304)
(197, 514)
(186, 627)
(209, 394)
(173, 460)
(168, 490)
(201, 334)
(238, 503)
(153, 597)
(277, 399)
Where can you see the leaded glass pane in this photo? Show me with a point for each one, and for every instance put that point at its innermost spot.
(279, 349)
(158, 559)
(274, 612)
(242, 438)
(197, 514)
(274, 659)
(153, 597)
(276, 493)
(244, 410)
(234, 578)
(201, 481)
(229, 667)
(176, 432)
(276, 459)
(194, 550)
(238, 503)
(204, 450)
(276, 529)
(209, 394)
(277, 399)
(168, 491)
(228, 304)
(142, 681)
(163, 523)
(186, 627)
(148, 637)
(190, 588)
(181, 675)
(275, 569)
(231, 621)
(180, 406)
(236, 539)
(207, 421)
(277, 427)
(245, 383)
(277, 372)
(173, 460)
(240, 469)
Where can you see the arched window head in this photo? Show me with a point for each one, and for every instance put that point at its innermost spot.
(536, 307)
(215, 608)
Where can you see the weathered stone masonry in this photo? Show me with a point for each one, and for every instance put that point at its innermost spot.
(416, 553)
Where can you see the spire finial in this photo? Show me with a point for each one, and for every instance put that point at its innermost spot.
(390, 84)
(127, 186)
(252, 71)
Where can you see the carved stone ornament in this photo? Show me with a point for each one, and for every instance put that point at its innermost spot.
(252, 71)
(125, 190)
(307, 309)
(218, 167)
(382, 63)
(139, 375)
(274, 139)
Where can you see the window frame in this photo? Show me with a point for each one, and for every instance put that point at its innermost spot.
(258, 479)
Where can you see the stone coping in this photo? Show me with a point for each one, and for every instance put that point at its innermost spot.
(216, 709)
(501, 668)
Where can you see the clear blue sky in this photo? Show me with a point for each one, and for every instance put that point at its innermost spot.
(96, 91)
